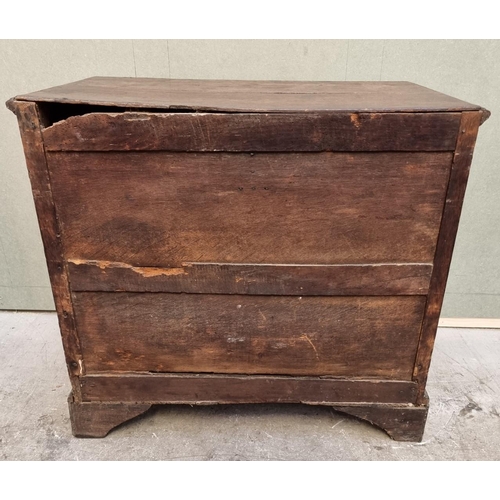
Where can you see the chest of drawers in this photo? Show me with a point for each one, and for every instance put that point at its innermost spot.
(247, 242)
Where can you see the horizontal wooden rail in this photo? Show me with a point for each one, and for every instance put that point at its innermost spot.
(257, 279)
(207, 389)
(257, 132)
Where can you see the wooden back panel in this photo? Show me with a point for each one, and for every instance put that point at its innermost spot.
(384, 211)
(164, 209)
(360, 337)
(230, 227)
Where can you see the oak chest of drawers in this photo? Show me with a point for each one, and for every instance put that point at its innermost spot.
(247, 242)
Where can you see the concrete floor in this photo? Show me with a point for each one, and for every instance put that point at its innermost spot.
(463, 423)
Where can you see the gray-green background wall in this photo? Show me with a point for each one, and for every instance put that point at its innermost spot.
(467, 69)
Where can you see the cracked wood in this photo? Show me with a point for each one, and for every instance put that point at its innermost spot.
(204, 388)
(253, 96)
(323, 195)
(258, 132)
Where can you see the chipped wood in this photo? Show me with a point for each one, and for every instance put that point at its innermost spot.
(247, 241)
(145, 272)
(485, 114)
(257, 132)
(263, 279)
(162, 209)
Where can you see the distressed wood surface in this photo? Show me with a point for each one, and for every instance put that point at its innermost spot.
(230, 389)
(29, 126)
(138, 190)
(363, 279)
(98, 418)
(449, 225)
(237, 132)
(402, 423)
(339, 336)
(163, 209)
(238, 95)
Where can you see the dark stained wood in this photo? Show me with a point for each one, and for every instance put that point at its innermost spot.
(29, 126)
(236, 241)
(254, 132)
(365, 279)
(96, 419)
(241, 96)
(485, 114)
(449, 225)
(229, 389)
(401, 422)
(387, 403)
(249, 334)
(164, 209)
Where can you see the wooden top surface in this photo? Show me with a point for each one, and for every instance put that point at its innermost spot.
(250, 96)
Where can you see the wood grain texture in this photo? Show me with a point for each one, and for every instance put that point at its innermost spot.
(265, 96)
(258, 132)
(253, 279)
(98, 418)
(169, 388)
(449, 225)
(338, 336)
(29, 125)
(233, 242)
(165, 209)
(402, 423)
